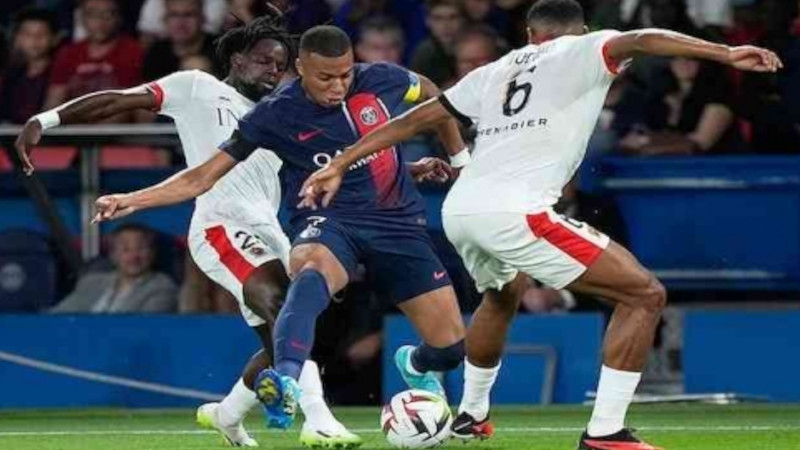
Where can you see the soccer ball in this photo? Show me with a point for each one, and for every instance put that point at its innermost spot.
(416, 419)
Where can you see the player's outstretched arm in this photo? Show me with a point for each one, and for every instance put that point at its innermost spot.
(670, 43)
(325, 182)
(184, 185)
(87, 109)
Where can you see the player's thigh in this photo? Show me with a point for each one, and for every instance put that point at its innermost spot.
(471, 236)
(406, 271)
(619, 277)
(229, 254)
(324, 245)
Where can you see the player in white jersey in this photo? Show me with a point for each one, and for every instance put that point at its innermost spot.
(234, 236)
(535, 110)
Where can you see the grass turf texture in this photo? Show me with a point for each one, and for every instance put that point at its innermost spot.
(675, 427)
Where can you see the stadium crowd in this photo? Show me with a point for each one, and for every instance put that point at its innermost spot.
(54, 50)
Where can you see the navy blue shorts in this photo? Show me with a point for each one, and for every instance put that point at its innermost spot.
(399, 257)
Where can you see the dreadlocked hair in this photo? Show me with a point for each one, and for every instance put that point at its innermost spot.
(243, 38)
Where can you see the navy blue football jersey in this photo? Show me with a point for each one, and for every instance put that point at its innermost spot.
(307, 136)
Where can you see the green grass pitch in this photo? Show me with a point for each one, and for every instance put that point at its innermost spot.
(675, 427)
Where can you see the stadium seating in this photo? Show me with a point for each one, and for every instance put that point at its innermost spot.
(28, 271)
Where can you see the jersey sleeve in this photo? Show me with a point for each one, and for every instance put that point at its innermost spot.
(254, 132)
(593, 50)
(393, 84)
(173, 92)
(463, 100)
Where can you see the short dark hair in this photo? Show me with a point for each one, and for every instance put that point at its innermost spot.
(35, 15)
(243, 38)
(325, 40)
(555, 12)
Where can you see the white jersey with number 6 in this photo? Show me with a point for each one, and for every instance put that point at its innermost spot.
(535, 110)
(234, 227)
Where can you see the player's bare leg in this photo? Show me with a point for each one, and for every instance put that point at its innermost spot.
(486, 338)
(639, 298)
(437, 318)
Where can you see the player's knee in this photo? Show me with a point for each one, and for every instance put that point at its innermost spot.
(439, 359)
(264, 298)
(654, 296)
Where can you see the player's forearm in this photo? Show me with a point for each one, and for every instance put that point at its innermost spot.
(95, 107)
(450, 137)
(184, 185)
(667, 43)
(396, 130)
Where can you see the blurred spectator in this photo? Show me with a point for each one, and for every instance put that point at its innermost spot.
(517, 12)
(185, 38)
(434, 56)
(409, 14)
(692, 115)
(70, 18)
(623, 108)
(152, 25)
(304, 14)
(243, 11)
(197, 62)
(199, 294)
(132, 287)
(486, 12)
(23, 85)
(104, 60)
(380, 39)
(476, 46)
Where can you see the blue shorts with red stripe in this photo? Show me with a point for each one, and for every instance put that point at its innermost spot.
(399, 257)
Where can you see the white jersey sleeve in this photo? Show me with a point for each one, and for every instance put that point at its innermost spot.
(463, 100)
(174, 91)
(592, 51)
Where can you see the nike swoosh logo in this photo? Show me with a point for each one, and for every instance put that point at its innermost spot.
(306, 135)
(439, 275)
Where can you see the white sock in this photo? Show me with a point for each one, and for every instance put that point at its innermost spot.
(614, 395)
(478, 383)
(235, 406)
(317, 413)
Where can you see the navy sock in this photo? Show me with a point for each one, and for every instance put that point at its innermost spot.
(307, 298)
(426, 358)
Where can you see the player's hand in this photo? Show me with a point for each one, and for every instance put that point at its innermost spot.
(30, 135)
(431, 169)
(114, 206)
(754, 59)
(325, 183)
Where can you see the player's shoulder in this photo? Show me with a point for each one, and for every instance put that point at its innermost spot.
(377, 72)
(281, 101)
(589, 39)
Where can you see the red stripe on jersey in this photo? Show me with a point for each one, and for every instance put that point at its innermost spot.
(368, 113)
(158, 93)
(566, 240)
(612, 65)
(228, 255)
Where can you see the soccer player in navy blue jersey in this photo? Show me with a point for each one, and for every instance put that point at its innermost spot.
(378, 219)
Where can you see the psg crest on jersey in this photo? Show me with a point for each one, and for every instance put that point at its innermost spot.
(369, 116)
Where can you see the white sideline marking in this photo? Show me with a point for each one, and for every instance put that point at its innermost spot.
(377, 430)
(107, 379)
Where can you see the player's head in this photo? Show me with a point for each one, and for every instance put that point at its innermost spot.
(549, 19)
(133, 249)
(34, 33)
(325, 64)
(256, 55)
(101, 19)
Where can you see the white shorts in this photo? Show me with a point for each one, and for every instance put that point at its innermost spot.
(228, 252)
(546, 246)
